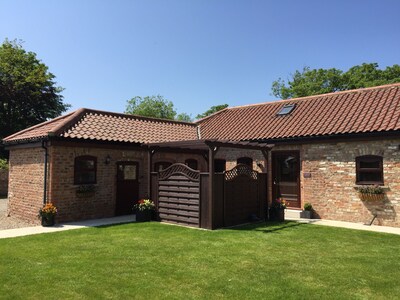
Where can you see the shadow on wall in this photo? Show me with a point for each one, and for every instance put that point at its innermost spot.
(383, 209)
(3, 183)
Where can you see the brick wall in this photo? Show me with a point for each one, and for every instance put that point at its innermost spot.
(231, 155)
(3, 183)
(26, 179)
(102, 204)
(330, 189)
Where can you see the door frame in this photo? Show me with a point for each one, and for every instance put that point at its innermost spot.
(125, 162)
(295, 153)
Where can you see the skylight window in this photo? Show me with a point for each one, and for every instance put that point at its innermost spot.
(287, 109)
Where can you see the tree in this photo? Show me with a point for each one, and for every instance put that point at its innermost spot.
(151, 106)
(320, 81)
(28, 92)
(212, 110)
(184, 117)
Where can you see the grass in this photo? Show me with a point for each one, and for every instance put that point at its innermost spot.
(158, 261)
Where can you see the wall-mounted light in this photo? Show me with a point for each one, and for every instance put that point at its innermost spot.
(108, 159)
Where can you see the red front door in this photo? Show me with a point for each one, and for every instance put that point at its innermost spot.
(286, 177)
(127, 187)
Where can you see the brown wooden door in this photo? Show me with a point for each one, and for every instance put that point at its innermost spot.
(286, 177)
(127, 187)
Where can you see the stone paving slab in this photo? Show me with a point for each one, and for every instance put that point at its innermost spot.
(8, 233)
(349, 225)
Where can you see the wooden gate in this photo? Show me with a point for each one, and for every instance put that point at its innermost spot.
(179, 195)
(243, 190)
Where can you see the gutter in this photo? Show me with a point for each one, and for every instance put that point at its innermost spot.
(46, 154)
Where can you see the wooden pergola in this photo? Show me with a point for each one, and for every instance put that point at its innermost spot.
(207, 148)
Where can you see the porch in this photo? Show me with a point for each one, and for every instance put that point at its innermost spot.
(209, 199)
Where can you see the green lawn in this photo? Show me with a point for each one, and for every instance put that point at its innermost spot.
(157, 261)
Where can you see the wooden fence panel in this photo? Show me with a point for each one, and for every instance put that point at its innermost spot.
(179, 195)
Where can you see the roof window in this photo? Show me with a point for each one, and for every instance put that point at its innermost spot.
(287, 109)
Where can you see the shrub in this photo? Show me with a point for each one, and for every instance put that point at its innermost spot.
(308, 206)
(3, 164)
(370, 189)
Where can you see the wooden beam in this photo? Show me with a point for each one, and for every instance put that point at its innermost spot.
(211, 155)
(150, 154)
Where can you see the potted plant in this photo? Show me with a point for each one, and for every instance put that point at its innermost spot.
(47, 213)
(144, 210)
(371, 193)
(277, 210)
(307, 211)
(86, 190)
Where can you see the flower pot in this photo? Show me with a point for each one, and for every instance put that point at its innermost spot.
(306, 214)
(277, 214)
(143, 215)
(371, 197)
(48, 220)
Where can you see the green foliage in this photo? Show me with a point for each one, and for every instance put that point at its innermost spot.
(144, 205)
(370, 189)
(157, 261)
(308, 206)
(212, 110)
(28, 92)
(151, 106)
(184, 117)
(3, 164)
(320, 81)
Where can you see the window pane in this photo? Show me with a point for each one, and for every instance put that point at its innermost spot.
(370, 177)
(86, 177)
(369, 164)
(87, 164)
(130, 172)
(288, 168)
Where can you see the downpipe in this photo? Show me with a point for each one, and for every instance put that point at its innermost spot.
(46, 154)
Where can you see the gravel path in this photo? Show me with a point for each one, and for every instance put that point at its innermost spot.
(10, 222)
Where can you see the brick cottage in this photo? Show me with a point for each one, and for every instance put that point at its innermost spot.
(324, 148)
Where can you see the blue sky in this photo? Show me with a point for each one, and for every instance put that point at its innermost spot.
(196, 53)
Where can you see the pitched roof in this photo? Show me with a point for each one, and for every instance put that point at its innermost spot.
(365, 110)
(88, 124)
(375, 109)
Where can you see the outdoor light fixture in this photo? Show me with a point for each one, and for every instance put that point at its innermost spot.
(108, 159)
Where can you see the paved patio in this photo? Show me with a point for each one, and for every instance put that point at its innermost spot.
(67, 226)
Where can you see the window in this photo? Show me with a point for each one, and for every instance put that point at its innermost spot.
(161, 165)
(245, 161)
(85, 170)
(369, 169)
(191, 163)
(285, 110)
(219, 165)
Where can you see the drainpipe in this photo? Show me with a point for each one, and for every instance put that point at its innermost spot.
(44, 146)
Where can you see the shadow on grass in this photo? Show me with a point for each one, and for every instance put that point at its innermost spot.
(268, 227)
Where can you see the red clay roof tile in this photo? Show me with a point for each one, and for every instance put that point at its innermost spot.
(104, 126)
(374, 109)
